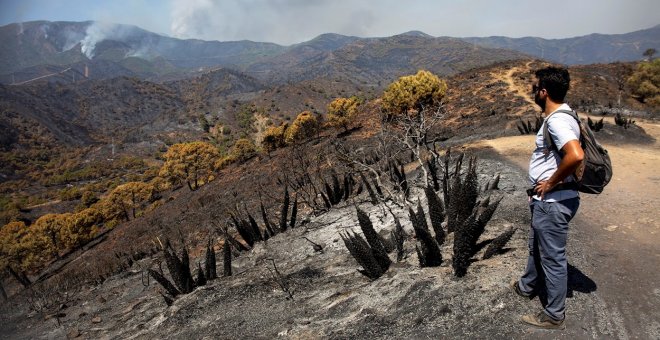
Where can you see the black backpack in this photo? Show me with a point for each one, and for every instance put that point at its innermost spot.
(596, 169)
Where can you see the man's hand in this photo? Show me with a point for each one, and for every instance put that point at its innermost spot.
(573, 156)
(543, 187)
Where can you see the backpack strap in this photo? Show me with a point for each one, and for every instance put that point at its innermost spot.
(547, 140)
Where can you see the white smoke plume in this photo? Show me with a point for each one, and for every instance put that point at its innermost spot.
(279, 21)
(99, 31)
(95, 33)
(44, 30)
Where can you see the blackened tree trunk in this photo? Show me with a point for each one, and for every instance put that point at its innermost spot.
(2, 291)
(285, 210)
(20, 277)
(294, 213)
(226, 251)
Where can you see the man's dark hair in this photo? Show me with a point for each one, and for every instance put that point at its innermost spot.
(555, 80)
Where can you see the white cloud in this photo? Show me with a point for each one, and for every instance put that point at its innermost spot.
(280, 21)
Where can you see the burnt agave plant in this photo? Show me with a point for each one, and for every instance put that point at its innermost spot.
(179, 268)
(467, 235)
(364, 255)
(398, 235)
(498, 243)
(374, 240)
(369, 253)
(436, 213)
(370, 190)
(427, 248)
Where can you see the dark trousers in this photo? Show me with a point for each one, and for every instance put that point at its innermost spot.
(546, 264)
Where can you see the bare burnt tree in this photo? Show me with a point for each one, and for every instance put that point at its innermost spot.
(302, 169)
(281, 281)
(402, 138)
(372, 162)
(417, 132)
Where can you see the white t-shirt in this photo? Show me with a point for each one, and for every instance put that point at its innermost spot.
(562, 128)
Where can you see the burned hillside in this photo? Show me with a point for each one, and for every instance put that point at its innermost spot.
(293, 223)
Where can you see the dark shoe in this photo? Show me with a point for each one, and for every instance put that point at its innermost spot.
(542, 320)
(516, 288)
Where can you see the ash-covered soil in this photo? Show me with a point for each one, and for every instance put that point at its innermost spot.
(330, 298)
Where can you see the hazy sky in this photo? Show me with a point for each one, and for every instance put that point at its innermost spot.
(291, 21)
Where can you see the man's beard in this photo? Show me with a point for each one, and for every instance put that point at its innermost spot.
(539, 102)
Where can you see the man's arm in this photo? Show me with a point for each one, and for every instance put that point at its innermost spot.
(573, 156)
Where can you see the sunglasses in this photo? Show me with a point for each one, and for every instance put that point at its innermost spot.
(536, 88)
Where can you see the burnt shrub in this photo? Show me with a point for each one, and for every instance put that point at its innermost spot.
(526, 128)
(595, 126)
(621, 121)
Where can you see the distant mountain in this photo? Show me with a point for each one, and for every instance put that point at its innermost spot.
(376, 60)
(60, 52)
(417, 34)
(64, 43)
(325, 42)
(588, 49)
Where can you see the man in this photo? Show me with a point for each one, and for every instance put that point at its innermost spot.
(553, 200)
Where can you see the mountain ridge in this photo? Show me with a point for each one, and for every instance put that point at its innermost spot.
(40, 43)
(602, 48)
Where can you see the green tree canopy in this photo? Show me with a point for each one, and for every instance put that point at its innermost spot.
(649, 53)
(305, 126)
(44, 237)
(192, 163)
(12, 246)
(645, 82)
(342, 111)
(80, 228)
(415, 93)
(274, 137)
(242, 150)
(124, 200)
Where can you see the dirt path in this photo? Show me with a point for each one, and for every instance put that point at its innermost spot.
(615, 238)
(516, 89)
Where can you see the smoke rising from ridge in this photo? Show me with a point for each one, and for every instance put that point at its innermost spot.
(99, 31)
(279, 21)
